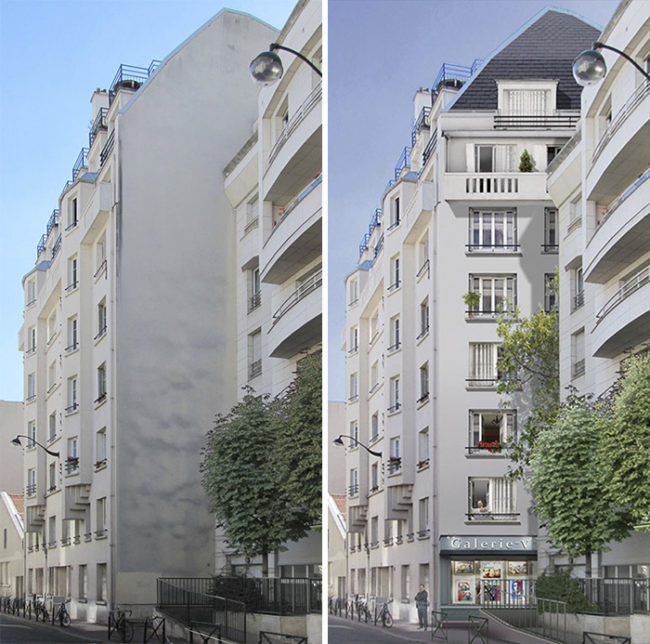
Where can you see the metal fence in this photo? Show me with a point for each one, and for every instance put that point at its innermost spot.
(192, 600)
(618, 596)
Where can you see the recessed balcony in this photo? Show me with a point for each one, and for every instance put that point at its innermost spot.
(479, 186)
(624, 320)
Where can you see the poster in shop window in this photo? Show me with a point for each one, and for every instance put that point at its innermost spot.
(491, 591)
(491, 569)
(464, 591)
(517, 568)
(463, 567)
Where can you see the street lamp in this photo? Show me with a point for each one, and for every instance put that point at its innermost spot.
(589, 66)
(16, 441)
(339, 441)
(267, 66)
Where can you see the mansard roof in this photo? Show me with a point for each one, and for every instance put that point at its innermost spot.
(544, 49)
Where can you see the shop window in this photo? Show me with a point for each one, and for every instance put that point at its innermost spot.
(491, 582)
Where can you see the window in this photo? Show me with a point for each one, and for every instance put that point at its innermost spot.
(31, 292)
(374, 376)
(575, 213)
(31, 482)
(424, 575)
(394, 213)
(354, 339)
(394, 334)
(354, 482)
(423, 447)
(83, 581)
(72, 395)
(490, 431)
(498, 294)
(31, 432)
(353, 292)
(405, 582)
(483, 358)
(394, 273)
(394, 394)
(494, 158)
(494, 229)
(31, 387)
(354, 387)
(52, 427)
(577, 287)
(374, 538)
(100, 255)
(102, 589)
(578, 354)
(551, 243)
(395, 456)
(423, 516)
(527, 102)
(101, 319)
(550, 294)
(551, 152)
(72, 274)
(73, 339)
(424, 382)
(374, 426)
(354, 432)
(100, 447)
(374, 476)
(51, 532)
(72, 462)
(73, 216)
(101, 383)
(51, 326)
(424, 318)
(51, 377)
(31, 339)
(492, 498)
(100, 520)
(374, 326)
(423, 254)
(52, 477)
(254, 289)
(255, 354)
(251, 213)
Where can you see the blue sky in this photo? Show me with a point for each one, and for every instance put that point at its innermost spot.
(380, 52)
(53, 54)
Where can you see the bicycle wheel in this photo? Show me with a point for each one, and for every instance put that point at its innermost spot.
(64, 618)
(127, 633)
(388, 619)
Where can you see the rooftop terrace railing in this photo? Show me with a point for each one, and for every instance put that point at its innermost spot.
(451, 76)
(130, 77)
(535, 122)
(100, 123)
(421, 123)
(81, 162)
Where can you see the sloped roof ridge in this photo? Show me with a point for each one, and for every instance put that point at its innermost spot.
(513, 37)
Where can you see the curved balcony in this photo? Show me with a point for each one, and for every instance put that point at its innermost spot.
(624, 320)
(296, 238)
(296, 156)
(297, 323)
(622, 236)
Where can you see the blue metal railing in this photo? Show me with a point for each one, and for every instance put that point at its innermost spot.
(52, 221)
(451, 74)
(81, 162)
(375, 220)
(364, 243)
(100, 123)
(404, 161)
(41, 245)
(421, 122)
(130, 77)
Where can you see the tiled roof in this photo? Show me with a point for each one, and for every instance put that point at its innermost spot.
(19, 502)
(544, 51)
(339, 499)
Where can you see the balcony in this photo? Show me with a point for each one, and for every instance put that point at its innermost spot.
(477, 186)
(254, 369)
(254, 301)
(131, 78)
(422, 123)
(578, 301)
(623, 234)
(492, 516)
(619, 327)
(403, 163)
(107, 149)
(536, 122)
(430, 147)
(296, 323)
(296, 239)
(578, 368)
(100, 123)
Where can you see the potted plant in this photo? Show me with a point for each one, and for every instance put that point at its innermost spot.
(472, 301)
(526, 162)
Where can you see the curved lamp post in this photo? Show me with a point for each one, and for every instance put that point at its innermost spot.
(16, 441)
(339, 441)
(589, 66)
(267, 66)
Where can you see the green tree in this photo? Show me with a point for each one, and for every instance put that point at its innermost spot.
(567, 484)
(625, 445)
(526, 162)
(529, 375)
(297, 426)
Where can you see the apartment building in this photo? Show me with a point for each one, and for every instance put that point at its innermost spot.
(12, 531)
(274, 184)
(457, 217)
(601, 185)
(128, 328)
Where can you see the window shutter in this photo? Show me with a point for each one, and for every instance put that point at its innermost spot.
(469, 156)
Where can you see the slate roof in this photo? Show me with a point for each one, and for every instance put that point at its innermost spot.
(544, 51)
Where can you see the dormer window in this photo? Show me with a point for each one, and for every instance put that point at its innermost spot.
(527, 98)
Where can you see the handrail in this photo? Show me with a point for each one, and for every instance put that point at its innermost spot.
(294, 203)
(430, 147)
(100, 123)
(107, 149)
(81, 162)
(622, 197)
(633, 284)
(309, 285)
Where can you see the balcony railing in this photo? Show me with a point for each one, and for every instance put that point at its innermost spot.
(578, 301)
(622, 197)
(254, 369)
(394, 464)
(56, 247)
(130, 77)
(394, 408)
(71, 464)
(107, 149)
(430, 147)
(421, 123)
(100, 333)
(551, 249)
(81, 162)
(631, 286)
(479, 383)
(100, 123)
(492, 184)
(394, 347)
(294, 203)
(451, 75)
(30, 490)
(423, 268)
(71, 408)
(353, 490)
(404, 161)
(578, 368)
(495, 248)
(630, 105)
(423, 332)
(100, 268)
(535, 122)
(52, 222)
(308, 286)
(254, 301)
(491, 516)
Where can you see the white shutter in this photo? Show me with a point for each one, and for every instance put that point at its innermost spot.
(469, 156)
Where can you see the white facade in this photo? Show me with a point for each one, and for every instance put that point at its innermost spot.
(436, 508)
(11, 424)
(12, 531)
(274, 185)
(128, 343)
(601, 185)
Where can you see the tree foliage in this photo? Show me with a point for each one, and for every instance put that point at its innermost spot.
(261, 466)
(567, 483)
(625, 442)
(529, 375)
(561, 586)
(526, 162)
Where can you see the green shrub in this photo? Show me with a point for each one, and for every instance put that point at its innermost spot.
(563, 587)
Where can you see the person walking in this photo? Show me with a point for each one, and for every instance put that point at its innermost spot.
(421, 603)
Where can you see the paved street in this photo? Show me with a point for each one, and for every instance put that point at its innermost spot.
(16, 629)
(345, 631)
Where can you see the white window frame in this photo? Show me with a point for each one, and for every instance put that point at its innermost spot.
(394, 326)
(483, 359)
(394, 393)
(497, 496)
(374, 426)
(487, 286)
(424, 382)
(394, 273)
(73, 333)
(423, 447)
(578, 353)
(487, 227)
(354, 387)
(482, 436)
(100, 447)
(551, 231)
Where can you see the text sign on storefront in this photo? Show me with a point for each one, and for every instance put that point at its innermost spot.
(487, 544)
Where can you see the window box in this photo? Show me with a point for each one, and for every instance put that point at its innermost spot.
(422, 464)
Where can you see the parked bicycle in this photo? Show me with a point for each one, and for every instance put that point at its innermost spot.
(62, 614)
(118, 624)
(363, 612)
(39, 608)
(384, 615)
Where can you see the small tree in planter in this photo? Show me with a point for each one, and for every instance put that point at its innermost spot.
(472, 301)
(525, 162)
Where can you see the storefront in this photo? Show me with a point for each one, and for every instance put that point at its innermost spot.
(486, 570)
